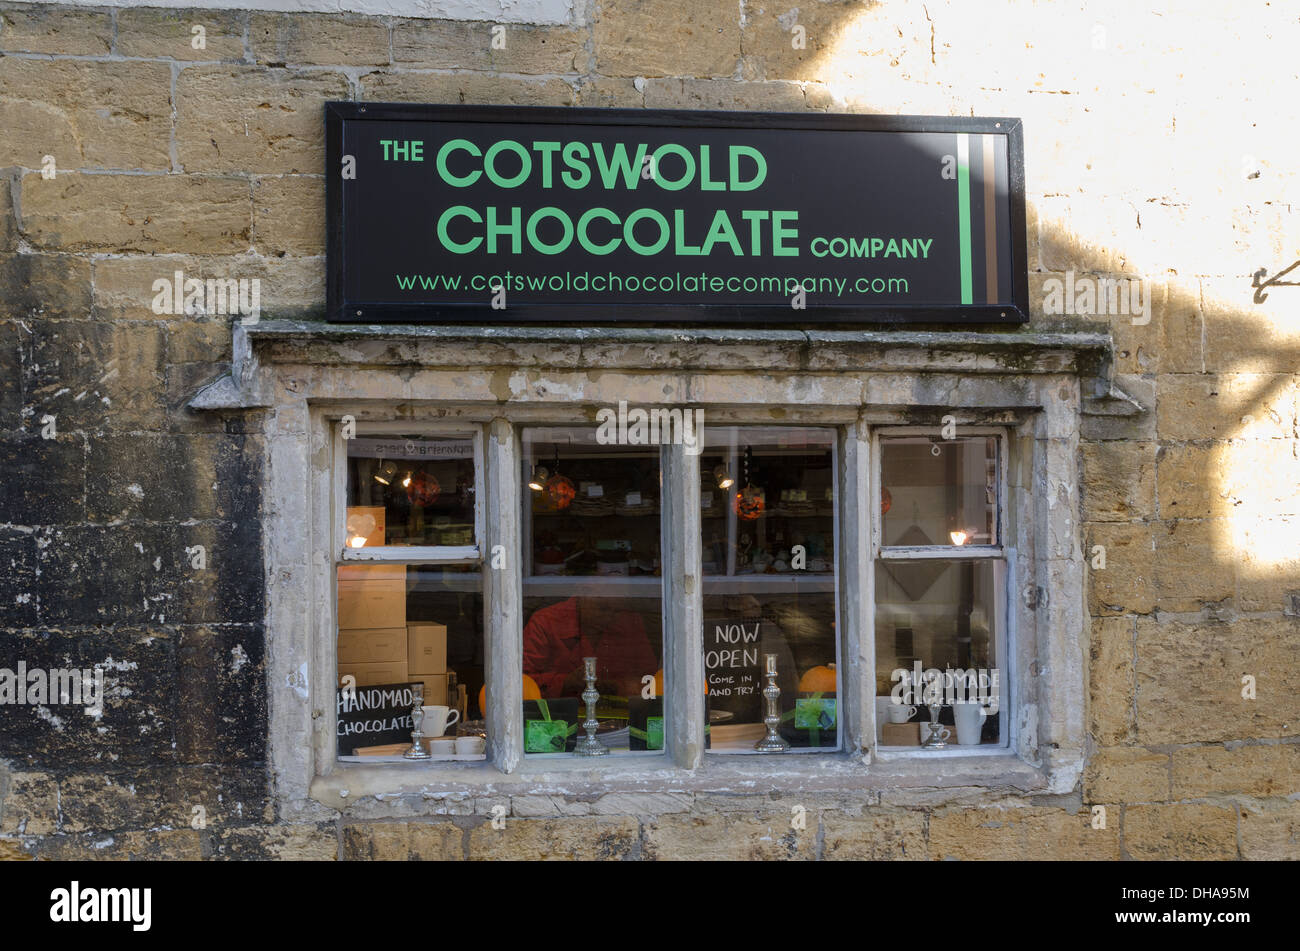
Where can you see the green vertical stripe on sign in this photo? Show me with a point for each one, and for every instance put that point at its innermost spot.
(963, 215)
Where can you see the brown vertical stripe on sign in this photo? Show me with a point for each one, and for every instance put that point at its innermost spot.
(990, 222)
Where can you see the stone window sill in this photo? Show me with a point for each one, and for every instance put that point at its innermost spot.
(996, 772)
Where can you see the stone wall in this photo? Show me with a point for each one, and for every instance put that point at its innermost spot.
(1156, 147)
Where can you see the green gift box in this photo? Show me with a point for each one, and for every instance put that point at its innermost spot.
(811, 724)
(550, 726)
(545, 736)
(645, 720)
(814, 714)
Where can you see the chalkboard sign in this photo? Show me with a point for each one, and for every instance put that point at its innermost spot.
(733, 664)
(374, 716)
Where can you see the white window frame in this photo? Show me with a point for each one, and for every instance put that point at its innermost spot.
(837, 434)
(405, 554)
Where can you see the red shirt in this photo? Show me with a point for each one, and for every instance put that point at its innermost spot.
(554, 646)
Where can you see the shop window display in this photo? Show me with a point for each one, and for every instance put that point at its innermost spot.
(592, 588)
(410, 490)
(940, 589)
(767, 516)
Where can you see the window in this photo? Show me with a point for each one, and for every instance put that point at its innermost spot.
(940, 590)
(1019, 592)
(409, 592)
(410, 575)
(767, 522)
(592, 588)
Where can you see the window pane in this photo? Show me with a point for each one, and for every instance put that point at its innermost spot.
(944, 616)
(768, 527)
(410, 490)
(591, 589)
(939, 493)
(401, 625)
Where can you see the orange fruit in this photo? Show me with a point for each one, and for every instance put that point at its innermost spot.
(531, 692)
(818, 680)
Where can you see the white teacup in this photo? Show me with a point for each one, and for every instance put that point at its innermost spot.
(898, 713)
(970, 719)
(436, 720)
(469, 745)
(442, 746)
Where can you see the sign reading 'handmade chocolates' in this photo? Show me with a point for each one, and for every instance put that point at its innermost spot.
(477, 214)
(373, 716)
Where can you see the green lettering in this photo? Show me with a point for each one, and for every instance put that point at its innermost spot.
(458, 211)
(721, 230)
(489, 163)
(636, 245)
(547, 149)
(585, 220)
(687, 175)
(760, 173)
(457, 181)
(779, 233)
(609, 170)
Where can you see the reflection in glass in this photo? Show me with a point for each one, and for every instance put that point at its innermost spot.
(410, 490)
(591, 588)
(767, 515)
(939, 615)
(413, 624)
(937, 492)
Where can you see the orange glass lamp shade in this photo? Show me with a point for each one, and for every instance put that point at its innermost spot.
(749, 503)
(423, 489)
(531, 692)
(818, 680)
(560, 489)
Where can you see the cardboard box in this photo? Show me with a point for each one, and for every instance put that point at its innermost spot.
(900, 734)
(426, 647)
(366, 521)
(368, 675)
(435, 689)
(377, 572)
(372, 646)
(372, 596)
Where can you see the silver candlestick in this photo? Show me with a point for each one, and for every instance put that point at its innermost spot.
(934, 733)
(772, 741)
(417, 750)
(589, 745)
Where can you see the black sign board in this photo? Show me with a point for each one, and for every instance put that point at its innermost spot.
(490, 214)
(374, 716)
(733, 666)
